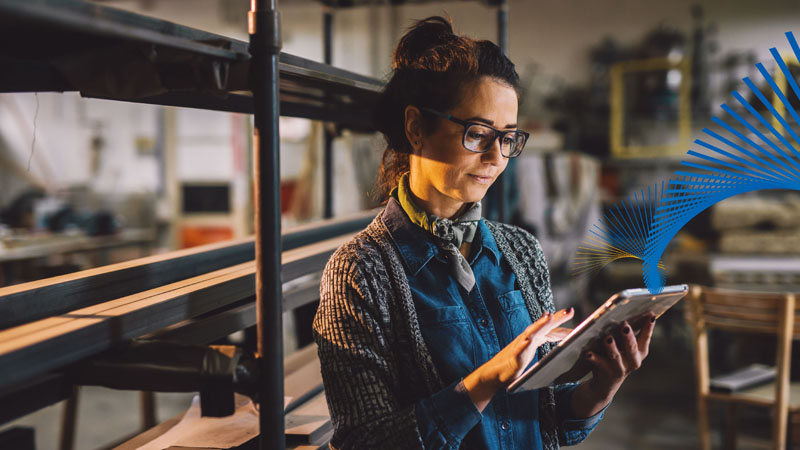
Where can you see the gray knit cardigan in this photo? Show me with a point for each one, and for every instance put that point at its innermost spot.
(375, 363)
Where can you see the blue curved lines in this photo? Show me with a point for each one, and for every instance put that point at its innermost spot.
(622, 232)
(756, 150)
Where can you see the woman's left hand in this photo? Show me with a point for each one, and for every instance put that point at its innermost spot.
(618, 356)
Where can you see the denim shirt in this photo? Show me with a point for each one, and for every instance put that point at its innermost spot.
(465, 329)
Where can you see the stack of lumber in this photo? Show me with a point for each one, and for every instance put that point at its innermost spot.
(194, 296)
(758, 225)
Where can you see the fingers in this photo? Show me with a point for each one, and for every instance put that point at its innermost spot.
(524, 338)
(616, 365)
(547, 322)
(597, 362)
(629, 348)
(558, 334)
(536, 326)
(562, 316)
(557, 319)
(539, 330)
(643, 340)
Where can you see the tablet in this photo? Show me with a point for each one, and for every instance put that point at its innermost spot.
(628, 305)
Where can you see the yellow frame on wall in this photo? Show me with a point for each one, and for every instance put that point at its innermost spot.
(617, 119)
(782, 84)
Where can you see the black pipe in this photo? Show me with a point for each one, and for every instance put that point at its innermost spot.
(327, 22)
(327, 43)
(502, 26)
(502, 42)
(265, 45)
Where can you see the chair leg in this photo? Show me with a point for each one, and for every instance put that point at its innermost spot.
(69, 420)
(729, 433)
(780, 426)
(703, 431)
(793, 439)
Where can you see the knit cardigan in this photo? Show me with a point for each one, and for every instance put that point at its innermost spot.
(374, 361)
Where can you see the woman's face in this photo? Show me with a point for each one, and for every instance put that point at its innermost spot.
(445, 175)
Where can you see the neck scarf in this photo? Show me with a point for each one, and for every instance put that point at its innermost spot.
(448, 234)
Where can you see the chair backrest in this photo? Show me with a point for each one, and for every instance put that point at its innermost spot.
(743, 311)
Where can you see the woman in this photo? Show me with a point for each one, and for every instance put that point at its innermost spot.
(430, 312)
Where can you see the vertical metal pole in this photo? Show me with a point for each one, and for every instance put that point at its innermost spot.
(265, 45)
(69, 420)
(502, 42)
(502, 26)
(328, 158)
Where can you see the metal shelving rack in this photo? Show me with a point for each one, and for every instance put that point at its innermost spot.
(73, 45)
(102, 52)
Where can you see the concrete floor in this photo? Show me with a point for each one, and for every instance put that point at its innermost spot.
(104, 417)
(655, 409)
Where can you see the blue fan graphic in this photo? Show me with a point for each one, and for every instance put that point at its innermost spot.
(622, 233)
(738, 157)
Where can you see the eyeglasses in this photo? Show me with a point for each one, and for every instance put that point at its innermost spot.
(479, 137)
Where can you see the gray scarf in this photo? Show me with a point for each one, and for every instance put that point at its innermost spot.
(448, 234)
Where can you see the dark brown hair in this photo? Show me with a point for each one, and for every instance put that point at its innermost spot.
(431, 66)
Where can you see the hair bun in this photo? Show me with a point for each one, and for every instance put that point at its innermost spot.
(423, 42)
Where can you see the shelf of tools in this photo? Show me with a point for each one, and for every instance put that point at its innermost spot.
(76, 329)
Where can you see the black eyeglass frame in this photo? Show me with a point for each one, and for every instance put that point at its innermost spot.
(497, 133)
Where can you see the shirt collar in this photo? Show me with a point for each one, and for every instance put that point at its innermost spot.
(486, 241)
(415, 244)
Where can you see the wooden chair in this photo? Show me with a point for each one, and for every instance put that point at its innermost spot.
(745, 312)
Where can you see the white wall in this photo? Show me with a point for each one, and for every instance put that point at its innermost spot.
(65, 124)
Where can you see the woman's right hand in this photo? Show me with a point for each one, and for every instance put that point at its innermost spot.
(508, 364)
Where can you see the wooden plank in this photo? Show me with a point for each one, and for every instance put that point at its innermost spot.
(209, 329)
(310, 258)
(305, 382)
(742, 312)
(38, 299)
(52, 296)
(746, 400)
(217, 326)
(764, 300)
(95, 312)
(81, 336)
(309, 423)
(36, 347)
(740, 325)
(147, 436)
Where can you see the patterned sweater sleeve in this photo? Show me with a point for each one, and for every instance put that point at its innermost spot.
(360, 374)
